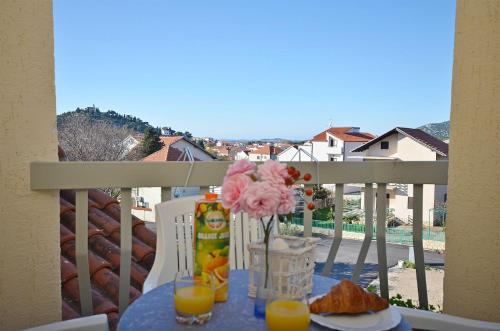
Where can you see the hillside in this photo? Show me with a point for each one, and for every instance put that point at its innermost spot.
(438, 130)
(110, 116)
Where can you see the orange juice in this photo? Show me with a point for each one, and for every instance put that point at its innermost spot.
(194, 300)
(211, 244)
(285, 315)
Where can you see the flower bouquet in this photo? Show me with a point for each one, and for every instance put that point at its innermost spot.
(265, 192)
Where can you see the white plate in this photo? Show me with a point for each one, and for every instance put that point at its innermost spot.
(377, 321)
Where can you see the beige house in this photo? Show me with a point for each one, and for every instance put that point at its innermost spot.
(175, 148)
(31, 175)
(405, 144)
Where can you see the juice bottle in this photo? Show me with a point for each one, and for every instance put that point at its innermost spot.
(211, 244)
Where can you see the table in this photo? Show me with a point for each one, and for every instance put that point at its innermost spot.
(155, 309)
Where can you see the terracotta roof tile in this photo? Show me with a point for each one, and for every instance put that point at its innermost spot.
(344, 134)
(170, 153)
(104, 255)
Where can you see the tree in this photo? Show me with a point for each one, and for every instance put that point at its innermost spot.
(84, 139)
(151, 142)
(188, 135)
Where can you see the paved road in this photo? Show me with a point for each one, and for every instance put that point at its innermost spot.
(348, 254)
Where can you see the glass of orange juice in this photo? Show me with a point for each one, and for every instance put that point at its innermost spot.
(288, 312)
(193, 300)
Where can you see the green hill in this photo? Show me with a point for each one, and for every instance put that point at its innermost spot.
(110, 116)
(438, 130)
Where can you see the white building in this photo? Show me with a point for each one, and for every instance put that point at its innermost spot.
(241, 155)
(336, 144)
(408, 145)
(296, 153)
(264, 153)
(175, 148)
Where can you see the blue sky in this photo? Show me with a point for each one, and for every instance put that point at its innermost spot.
(258, 69)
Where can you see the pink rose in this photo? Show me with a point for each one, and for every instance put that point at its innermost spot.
(231, 190)
(260, 199)
(273, 171)
(287, 201)
(240, 167)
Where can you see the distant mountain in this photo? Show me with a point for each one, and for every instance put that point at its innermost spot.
(110, 116)
(438, 130)
(264, 140)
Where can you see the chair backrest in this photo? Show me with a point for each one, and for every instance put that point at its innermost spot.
(426, 320)
(174, 240)
(90, 323)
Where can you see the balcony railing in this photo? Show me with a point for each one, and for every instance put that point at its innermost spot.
(82, 176)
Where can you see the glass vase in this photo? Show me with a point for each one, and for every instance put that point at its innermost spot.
(264, 276)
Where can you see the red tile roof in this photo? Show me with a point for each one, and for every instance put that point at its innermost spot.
(104, 255)
(266, 150)
(168, 152)
(344, 134)
(420, 136)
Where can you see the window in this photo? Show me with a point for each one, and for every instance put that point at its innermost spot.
(384, 145)
(332, 142)
(410, 202)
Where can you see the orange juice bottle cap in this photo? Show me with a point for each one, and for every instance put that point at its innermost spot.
(211, 196)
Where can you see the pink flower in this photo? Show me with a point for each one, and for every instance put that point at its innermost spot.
(287, 201)
(231, 191)
(240, 167)
(273, 171)
(260, 199)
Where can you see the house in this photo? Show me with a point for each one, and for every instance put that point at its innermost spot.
(407, 144)
(336, 144)
(222, 151)
(175, 148)
(243, 154)
(264, 153)
(296, 153)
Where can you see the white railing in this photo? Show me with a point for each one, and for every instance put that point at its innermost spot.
(82, 176)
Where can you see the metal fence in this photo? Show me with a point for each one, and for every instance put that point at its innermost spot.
(398, 235)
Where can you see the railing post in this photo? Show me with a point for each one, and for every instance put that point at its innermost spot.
(166, 194)
(307, 215)
(381, 242)
(125, 247)
(418, 248)
(204, 189)
(337, 237)
(82, 251)
(368, 232)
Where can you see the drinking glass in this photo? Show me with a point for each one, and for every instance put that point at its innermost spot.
(193, 299)
(286, 312)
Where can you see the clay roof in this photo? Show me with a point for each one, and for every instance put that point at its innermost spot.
(420, 136)
(266, 150)
(104, 255)
(168, 152)
(343, 134)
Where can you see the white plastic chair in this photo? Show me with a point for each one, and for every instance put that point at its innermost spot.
(90, 323)
(174, 240)
(426, 320)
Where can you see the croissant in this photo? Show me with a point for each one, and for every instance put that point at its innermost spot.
(348, 298)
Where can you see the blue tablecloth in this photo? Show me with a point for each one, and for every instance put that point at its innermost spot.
(155, 309)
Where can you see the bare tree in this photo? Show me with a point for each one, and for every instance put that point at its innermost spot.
(85, 140)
